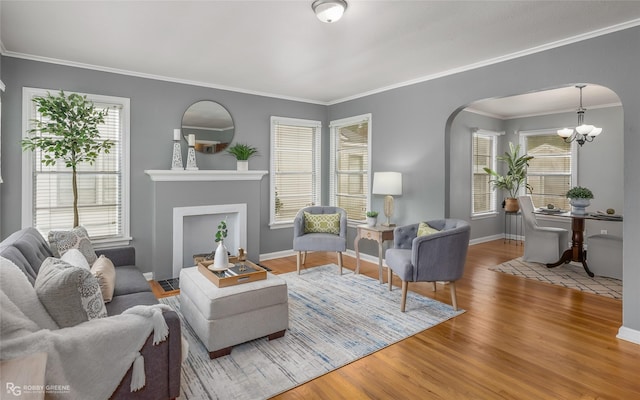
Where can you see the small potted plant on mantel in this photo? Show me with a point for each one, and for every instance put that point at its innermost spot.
(242, 152)
(514, 179)
(372, 218)
(580, 198)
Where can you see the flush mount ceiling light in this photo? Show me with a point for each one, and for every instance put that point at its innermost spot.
(329, 10)
(582, 133)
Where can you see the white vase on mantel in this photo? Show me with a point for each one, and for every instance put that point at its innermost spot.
(221, 259)
(242, 165)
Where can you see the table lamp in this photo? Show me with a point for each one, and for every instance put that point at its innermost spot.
(388, 184)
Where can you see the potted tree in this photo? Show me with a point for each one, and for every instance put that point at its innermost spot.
(67, 132)
(580, 198)
(515, 177)
(242, 152)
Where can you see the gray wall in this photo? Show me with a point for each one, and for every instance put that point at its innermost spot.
(411, 127)
(156, 109)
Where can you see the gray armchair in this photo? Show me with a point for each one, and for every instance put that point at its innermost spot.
(436, 257)
(303, 242)
(542, 244)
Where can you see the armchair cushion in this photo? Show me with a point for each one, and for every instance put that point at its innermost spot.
(322, 223)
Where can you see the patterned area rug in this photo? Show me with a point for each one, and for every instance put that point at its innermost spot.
(333, 320)
(570, 275)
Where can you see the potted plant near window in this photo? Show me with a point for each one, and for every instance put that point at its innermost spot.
(242, 152)
(515, 177)
(372, 218)
(67, 132)
(580, 198)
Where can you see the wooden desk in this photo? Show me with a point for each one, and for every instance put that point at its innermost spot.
(378, 233)
(576, 252)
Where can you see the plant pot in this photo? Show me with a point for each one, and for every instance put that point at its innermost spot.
(242, 165)
(578, 206)
(372, 221)
(511, 204)
(221, 259)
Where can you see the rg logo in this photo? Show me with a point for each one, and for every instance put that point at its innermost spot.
(13, 389)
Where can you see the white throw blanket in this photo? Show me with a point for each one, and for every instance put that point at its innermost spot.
(91, 357)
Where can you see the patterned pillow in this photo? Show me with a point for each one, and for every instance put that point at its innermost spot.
(70, 294)
(424, 229)
(322, 223)
(77, 238)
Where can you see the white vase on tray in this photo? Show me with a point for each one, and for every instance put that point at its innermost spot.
(221, 259)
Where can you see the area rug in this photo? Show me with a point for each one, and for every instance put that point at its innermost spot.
(570, 275)
(333, 320)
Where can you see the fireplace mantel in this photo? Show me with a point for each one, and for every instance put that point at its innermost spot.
(168, 175)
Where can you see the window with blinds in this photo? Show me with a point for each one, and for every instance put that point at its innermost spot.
(295, 167)
(483, 197)
(552, 170)
(102, 187)
(350, 167)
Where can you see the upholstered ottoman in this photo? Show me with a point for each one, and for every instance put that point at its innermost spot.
(224, 317)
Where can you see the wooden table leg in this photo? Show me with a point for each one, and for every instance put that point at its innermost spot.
(355, 247)
(576, 252)
(380, 261)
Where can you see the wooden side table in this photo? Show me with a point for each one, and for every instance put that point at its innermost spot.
(378, 233)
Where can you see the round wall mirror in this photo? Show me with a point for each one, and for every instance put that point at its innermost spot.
(211, 124)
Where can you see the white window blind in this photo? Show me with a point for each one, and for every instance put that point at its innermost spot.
(295, 167)
(102, 187)
(552, 170)
(350, 166)
(484, 155)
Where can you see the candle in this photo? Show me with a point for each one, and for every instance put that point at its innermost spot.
(192, 139)
(176, 134)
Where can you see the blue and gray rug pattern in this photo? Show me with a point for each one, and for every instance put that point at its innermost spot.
(333, 320)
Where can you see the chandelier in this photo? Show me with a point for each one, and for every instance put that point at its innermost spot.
(583, 132)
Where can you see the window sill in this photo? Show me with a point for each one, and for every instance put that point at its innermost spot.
(484, 216)
(113, 242)
(280, 225)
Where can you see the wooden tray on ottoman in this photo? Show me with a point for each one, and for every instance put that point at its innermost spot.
(224, 279)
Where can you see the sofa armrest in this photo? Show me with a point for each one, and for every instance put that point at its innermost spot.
(119, 255)
(162, 366)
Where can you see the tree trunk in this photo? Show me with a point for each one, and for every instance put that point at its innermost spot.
(74, 184)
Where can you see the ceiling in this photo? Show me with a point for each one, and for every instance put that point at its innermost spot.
(279, 48)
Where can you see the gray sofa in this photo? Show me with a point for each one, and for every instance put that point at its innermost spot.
(27, 249)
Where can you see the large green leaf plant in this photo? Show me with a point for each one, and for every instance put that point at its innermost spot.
(516, 176)
(67, 131)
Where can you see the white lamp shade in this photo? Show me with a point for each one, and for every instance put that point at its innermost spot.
(584, 129)
(595, 132)
(329, 10)
(565, 133)
(387, 183)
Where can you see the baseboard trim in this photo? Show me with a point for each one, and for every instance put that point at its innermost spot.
(148, 276)
(486, 239)
(287, 253)
(628, 334)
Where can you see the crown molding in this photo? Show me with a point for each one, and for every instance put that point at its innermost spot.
(496, 60)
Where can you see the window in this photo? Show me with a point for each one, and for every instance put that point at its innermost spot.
(295, 167)
(103, 188)
(350, 167)
(483, 197)
(553, 170)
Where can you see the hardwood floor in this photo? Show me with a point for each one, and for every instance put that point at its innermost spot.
(518, 339)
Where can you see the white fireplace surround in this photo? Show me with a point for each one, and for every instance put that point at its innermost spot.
(239, 230)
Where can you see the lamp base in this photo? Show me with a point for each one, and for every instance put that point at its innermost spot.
(388, 210)
(388, 225)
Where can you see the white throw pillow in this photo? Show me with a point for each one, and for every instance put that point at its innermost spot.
(16, 287)
(75, 258)
(70, 294)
